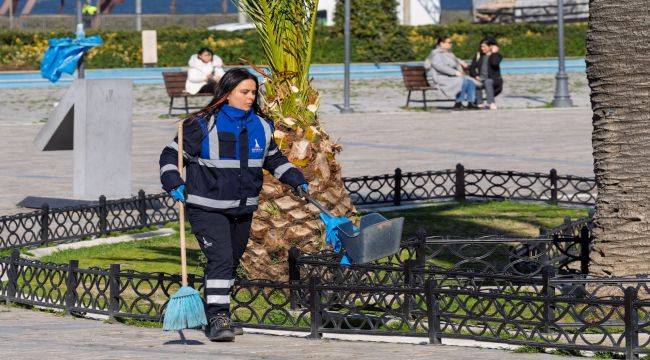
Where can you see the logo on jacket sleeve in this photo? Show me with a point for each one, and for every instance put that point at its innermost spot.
(257, 148)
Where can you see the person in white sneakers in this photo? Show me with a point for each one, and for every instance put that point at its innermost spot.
(205, 70)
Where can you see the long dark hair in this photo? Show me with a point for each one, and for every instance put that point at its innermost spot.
(205, 49)
(226, 85)
(489, 41)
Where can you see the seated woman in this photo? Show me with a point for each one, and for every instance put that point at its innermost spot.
(446, 71)
(205, 70)
(486, 69)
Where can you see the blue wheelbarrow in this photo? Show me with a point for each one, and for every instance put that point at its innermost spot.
(376, 237)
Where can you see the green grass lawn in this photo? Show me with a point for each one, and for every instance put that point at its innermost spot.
(454, 219)
(160, 253)
(506, 218)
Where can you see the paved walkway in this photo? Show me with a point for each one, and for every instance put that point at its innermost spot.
(26, 334)
(524, 140)
(380, 136)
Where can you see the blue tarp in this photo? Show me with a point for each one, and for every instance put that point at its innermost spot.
(63, 55)
(332, 234)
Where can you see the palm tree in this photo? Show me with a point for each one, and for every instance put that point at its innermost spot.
(617, 68)
(286, 31)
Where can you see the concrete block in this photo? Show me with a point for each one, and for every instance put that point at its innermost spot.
(149, 48)
(96, 114)
(57, 133)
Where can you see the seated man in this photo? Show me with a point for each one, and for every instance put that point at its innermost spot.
(446, 71)
(486, 69)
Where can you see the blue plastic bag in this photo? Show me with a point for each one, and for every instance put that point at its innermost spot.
(62, 55)
(332, 234)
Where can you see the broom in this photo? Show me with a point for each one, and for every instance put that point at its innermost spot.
(185, 308)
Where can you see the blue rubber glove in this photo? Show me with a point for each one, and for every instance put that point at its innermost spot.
(178, 194)
(302, 190)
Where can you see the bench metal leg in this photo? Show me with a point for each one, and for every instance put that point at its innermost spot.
(424, 99)
(187, 109)
(408, 99)
(171, 104)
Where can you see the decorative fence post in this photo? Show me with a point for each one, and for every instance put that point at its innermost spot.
(421, 248)
(567, 230)
(191, 281)
(294, 275)
(142, 208)
(114, 291)
(548, 291)
(103, 216)
(314, 308)
(433, 313)
(631, 323)
(460, 183)
(12, 274)
(45, 223)
(408, 282)
(397, 195)
(553, 178)
(585, 247)
(71, 286)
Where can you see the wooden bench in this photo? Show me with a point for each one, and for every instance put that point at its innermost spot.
(175, 85)
(415, 79)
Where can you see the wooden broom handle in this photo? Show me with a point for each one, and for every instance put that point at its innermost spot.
(181, 208)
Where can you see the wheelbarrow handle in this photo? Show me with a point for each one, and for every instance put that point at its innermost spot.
(317, 204)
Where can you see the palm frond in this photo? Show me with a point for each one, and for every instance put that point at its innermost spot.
(286, 31)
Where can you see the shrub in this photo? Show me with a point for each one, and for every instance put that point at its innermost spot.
(20, 50)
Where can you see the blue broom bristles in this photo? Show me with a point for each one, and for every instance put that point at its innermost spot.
(184, 310)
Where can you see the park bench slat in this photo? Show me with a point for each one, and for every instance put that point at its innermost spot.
(415, 79)
(175, 86)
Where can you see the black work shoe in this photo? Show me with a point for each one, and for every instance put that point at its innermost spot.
(472, 106)
(219, 329)
(458, 105)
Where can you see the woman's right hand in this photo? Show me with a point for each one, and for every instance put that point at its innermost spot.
(460, 73)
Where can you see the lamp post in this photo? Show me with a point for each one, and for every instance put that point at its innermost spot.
(138, 15)
(562, 97)
(79, 11)
(11, 14)
(346, 61)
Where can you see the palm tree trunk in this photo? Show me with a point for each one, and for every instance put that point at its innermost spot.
(618, 69)
(286, 31)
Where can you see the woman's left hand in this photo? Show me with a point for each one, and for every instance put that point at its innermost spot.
(494, 49)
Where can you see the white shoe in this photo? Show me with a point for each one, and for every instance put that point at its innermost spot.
(493, 106)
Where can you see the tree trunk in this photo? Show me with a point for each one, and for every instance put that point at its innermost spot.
(284, 220)
(618, 69)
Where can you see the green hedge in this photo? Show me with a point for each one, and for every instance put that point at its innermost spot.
(23, 50)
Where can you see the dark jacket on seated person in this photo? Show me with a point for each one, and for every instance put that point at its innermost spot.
(494, 69)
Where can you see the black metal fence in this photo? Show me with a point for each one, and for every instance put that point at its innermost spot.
(66, 224)
(47, 225)
(412, 298)
(461, 183)
(517, 291)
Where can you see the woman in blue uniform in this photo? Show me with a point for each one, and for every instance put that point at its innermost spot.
(225, 146)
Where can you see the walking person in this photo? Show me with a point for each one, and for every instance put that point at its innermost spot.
(205, 70)
(88, 13)
(226, 145)
(486, 70)
(447, 72)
